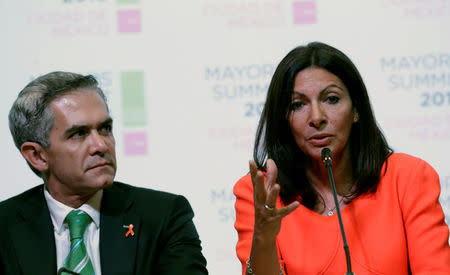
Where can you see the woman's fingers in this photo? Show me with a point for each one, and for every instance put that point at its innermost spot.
(265, 194)
(253, 168)
(259, 190)
(272, 173)
(272, 195)
(279, 213)
(283, 212)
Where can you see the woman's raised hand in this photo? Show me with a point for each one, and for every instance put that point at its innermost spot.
(267, 216)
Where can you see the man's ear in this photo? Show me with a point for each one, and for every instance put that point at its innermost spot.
(35, 154)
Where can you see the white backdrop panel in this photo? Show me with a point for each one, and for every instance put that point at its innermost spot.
(206, 66)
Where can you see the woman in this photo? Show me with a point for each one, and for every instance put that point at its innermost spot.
(285, 211)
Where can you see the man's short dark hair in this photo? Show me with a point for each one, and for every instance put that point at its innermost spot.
(31, 119)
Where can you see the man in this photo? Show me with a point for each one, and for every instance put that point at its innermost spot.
(80, 219)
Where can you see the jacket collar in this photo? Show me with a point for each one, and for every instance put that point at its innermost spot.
(117, 249)
(33, 236)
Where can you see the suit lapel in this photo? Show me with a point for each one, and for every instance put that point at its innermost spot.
(33, 236)
(117, 251)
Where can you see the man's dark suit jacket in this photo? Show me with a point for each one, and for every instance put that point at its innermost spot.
(165, 239)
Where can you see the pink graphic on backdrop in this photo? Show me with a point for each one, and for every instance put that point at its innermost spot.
(129, 20)
(135, 143)
(305, 12)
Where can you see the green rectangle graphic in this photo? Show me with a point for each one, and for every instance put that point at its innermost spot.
(133, 98)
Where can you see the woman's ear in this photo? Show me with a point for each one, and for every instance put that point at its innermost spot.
(355, 116)
(35, 154)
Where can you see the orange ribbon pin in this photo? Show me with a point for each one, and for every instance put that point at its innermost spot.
(130, 230)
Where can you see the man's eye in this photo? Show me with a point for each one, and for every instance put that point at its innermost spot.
(79, 134)
(296, 105)
(106, 129)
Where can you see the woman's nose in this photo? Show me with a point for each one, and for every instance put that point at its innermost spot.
(317, 116)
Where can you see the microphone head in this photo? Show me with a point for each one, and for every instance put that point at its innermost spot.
(326, 154)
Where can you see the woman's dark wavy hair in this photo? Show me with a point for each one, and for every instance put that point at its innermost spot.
(368, 146)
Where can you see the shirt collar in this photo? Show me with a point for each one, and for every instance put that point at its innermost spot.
(59, 211)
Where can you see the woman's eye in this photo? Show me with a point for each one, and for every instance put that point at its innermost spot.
(296, 105)
(332, 99)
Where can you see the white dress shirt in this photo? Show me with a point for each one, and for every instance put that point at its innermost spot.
(58, 213)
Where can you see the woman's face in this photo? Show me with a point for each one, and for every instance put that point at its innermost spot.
(321, 113)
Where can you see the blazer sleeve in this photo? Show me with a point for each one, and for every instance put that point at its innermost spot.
(426, 231)
(245, 216)
(181, 249)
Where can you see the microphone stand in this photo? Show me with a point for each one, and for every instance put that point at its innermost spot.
(327, 160)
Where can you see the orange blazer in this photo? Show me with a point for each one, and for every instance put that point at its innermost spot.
(399, 229)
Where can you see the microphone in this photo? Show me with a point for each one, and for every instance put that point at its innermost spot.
(64, 270)
(327, 158)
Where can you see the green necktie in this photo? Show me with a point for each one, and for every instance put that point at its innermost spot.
(78, 259)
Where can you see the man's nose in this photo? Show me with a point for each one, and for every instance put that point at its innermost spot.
(98, 144)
